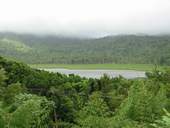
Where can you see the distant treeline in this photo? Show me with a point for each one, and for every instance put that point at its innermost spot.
(112, 49)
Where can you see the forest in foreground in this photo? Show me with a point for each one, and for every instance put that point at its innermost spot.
(31, 98)
(120, 49)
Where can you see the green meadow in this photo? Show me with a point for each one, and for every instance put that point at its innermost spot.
(139, 67)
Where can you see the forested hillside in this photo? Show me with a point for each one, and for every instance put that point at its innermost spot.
(31, 98)
(113, 49)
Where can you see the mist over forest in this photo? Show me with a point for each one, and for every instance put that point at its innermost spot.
(84, 63)
(119, 49)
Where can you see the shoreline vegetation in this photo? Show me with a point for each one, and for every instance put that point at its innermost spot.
(136, 67)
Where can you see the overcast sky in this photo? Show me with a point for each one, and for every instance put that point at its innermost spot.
(85, 17)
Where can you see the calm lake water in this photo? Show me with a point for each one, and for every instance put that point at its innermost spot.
(98, 73)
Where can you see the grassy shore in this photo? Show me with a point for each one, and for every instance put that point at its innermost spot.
(139, 67)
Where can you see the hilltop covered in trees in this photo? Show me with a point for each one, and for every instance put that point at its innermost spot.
(132, 49)
(31, 98)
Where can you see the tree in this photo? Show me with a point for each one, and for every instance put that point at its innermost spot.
(164, 122)
(11, 91)
(31, 112)
(94, 114)
(144, 102)
(2, 118)
(2, 77)
(2, 82)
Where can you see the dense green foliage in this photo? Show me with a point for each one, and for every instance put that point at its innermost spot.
(31, 98)
(164, 122)
(131, 49)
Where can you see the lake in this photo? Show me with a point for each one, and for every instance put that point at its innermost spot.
(129, 74)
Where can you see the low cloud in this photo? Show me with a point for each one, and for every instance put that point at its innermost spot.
(91, 18)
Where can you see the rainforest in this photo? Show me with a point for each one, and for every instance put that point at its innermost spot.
(32, 98)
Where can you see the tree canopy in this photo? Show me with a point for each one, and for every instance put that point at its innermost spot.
(30, 98)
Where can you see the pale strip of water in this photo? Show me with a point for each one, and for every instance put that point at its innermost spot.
(129, 74)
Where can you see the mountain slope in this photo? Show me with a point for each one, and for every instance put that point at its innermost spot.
(9, 44)
(112, 49)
